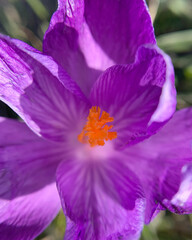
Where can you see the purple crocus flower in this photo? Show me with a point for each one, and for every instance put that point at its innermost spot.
(94, 104)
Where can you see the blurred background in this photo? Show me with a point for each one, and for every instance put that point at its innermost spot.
(29, 19)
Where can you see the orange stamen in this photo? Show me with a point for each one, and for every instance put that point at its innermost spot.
(96, 132)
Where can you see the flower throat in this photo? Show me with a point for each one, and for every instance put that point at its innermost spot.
(96, 130)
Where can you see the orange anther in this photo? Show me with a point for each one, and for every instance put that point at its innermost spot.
(96, 130)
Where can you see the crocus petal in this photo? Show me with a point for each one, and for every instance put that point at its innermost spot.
(182, 201)
(176, 187)
(35, 87)
(165, 165)
(86, 37)
(132, 220)
(141, 96)
(28, 195)
(25, 217)
(105, 201)
(27, 161)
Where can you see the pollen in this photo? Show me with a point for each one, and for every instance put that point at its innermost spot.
(96, 130)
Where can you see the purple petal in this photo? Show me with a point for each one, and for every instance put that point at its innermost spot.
(131, 231)
(27, 161)
(176, 185)
(102, 198)
(25, 217)
(87, 37)
(28, 196)
(161, 159)
(119, 27)
(34, 86)
(182, 201)
(141, 96)
(173, 145)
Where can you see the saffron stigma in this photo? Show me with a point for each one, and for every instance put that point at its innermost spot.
(96, 131)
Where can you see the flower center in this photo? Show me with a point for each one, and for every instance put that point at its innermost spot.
(96, 130)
